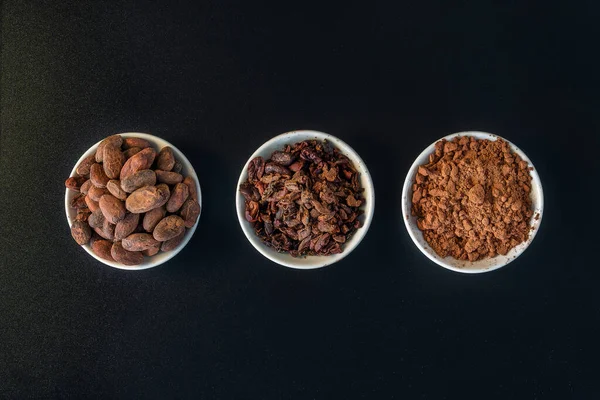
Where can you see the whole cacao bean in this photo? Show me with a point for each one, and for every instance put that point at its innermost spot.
(81, 232)
(114, 187)
(96, 219)
(131, 152)
(112, 208)
(116, 140)
(113, 160)
(109, 230)
(131, 142)
(95, 193)
(170, 178)
(106, 232)
(168, 228)
(147, 198)
(102, 249)
(151, 251)
(98, 177)
(153, 217)
(141, 160)
(178, 197)
(127, 210)
(139, 242)
(190, 210)
(126, 226)
(172, 243)
(91, 204)
(84, 166)
(86, 186)
(177, 167)
(192, 185)
(144, 177)
(166, 159)
(124, 256)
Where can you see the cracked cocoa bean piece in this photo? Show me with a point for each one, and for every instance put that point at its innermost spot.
(256, 169)
(304, 200)
(83, 214)
(75, 183)
(79, 201)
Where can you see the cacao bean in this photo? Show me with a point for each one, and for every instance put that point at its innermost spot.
(139, 242)
(81, 232)
(168, 228)
(178, 197)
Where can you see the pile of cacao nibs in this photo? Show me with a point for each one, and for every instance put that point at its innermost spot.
(304, 200)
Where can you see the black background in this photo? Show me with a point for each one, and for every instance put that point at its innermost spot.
(217, 80)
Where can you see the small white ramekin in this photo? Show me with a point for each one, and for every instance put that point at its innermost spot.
(308, 262)
(488, 264)
(161, 257)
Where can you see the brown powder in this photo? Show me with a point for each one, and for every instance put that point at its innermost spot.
(473, 199)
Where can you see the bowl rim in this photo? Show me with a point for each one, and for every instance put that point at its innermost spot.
(518, 250)
(369, 207)
(189, 233)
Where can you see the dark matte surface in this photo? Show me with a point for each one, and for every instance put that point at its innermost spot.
(220, 321)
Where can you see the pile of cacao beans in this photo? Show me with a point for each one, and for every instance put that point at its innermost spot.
(132, 202)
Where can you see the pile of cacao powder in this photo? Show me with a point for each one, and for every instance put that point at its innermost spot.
(472, 199)
(304, 200)
(132, 202)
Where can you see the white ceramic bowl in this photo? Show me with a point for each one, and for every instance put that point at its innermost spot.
(488, 264)
(308, 262)
(161, 257)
